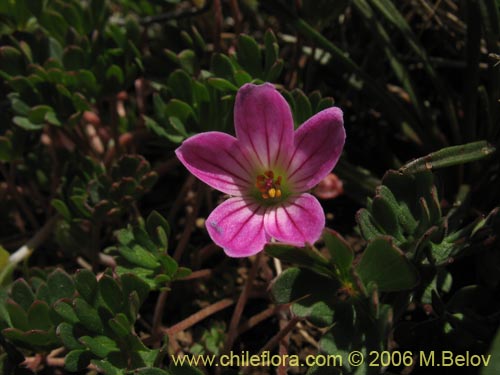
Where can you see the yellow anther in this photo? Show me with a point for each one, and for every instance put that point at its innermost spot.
(272, 192)
(268, 186)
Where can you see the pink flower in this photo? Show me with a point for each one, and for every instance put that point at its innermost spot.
(267, 169)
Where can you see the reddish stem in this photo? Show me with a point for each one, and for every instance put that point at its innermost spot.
(242, 300)
(280, 335)
(217, 24)
(260, 317)
(198, 316)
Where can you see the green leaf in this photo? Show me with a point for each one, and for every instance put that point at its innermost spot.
(182, 272)
(272, 49)
(275, 71)
(22, 294)
(303, 110)
(61, 285)
(66, 311)
(304, 257)
(87, 315)
(18, 316)
(151, 371)
(222, 84)
(177, 125)
(188, 61)
(111, 293)
(114, 74)
(449, 156)
(6, 150)
(386, 217)
(26, 124)
(52, 119)
(493, 367)
(158, 228)
(61, 208)
(55, 23)
(101, 346)
(4, 258)
(249, 55)
(106, 367)
(38, 316)
(184, 370)
(222, 66)
(86, 284)
(34, 338)
(179, 109)
(74, 58)
(179, 82)
(120, 325)
(367, 226)
(132, 283)
(312, 295)
(37, 113)
(344, 337)
(241, 77)
(139, 256)
(169, 264)
(11, 61)
(324, 103)
(341, 253)
(67, 336)
(77, 360)
(386, 266)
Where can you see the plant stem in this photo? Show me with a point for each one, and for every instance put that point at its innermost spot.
(24, 251)
(199, 316)
(240, 305)
(12, 188)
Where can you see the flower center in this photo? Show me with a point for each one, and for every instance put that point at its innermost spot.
(268, 186)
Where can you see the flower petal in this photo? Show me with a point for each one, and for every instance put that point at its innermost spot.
(297, 221)
(264, 124)
(216, 159)
(237, 225)
(318, 144)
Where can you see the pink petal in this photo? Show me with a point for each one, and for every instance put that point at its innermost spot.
(264, 124)
(297, 221)
(237, 225)
(330, 187)
(318, 144)
(216, 159)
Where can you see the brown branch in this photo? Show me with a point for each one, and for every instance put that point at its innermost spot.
(180, 198)
(242, 300)
(9, 177)
(189, 226)
(39, 237)
(282, 333)
(235, 9)
(260, 317)
(197, 275)
(217, 24)
(158, 314)
(198, 316)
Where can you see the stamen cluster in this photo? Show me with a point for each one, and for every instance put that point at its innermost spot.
(268, 186)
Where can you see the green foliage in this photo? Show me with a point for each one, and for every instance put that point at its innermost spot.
(30, 317)
(98, 325)
(142, 250)
(95, 97)
(92, 318)
(94, 195)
